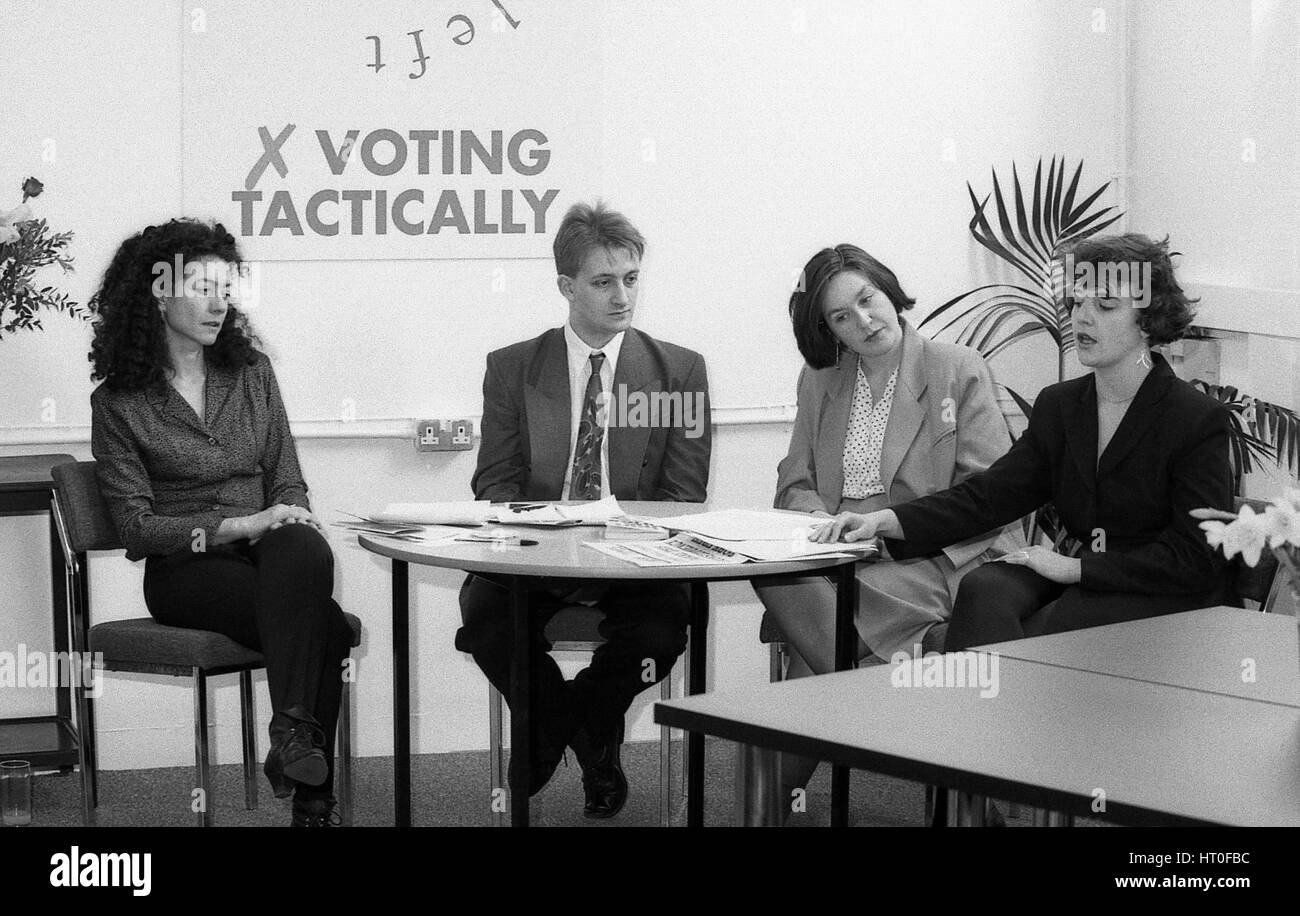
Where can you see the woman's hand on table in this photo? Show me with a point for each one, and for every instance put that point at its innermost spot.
(850, 527)
(1047, 563)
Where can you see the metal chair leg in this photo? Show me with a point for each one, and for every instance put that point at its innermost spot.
(971, 809)
(83, 756)
(1045, 818)
(776, 662)
(344, 756)
(204, 814)
(666, 759)
(496, 754)
(686, 686)
(92, 749)
(77, 602)
(247, 725)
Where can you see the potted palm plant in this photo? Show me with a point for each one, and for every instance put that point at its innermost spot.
(1028, 238)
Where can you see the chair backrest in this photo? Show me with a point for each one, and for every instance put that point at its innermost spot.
(1254, 582)
(89, 524)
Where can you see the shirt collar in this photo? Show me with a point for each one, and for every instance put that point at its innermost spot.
(580, 351)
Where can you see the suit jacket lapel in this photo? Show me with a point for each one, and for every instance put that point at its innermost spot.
(907, 413)
(627, 444)
(546, 404)
(220, 385)
(1139, 416)
(1080, 418)
(169, 403)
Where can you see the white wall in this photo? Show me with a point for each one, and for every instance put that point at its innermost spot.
(865, 128)
(1215, 156)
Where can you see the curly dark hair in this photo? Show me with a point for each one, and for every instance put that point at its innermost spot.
(817, 343)
(129, 350)
(1169, 314)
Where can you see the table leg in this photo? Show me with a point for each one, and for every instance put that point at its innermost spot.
(699, 624)
(758, 787)
(846, 644)
(523, 736)
(401, 695)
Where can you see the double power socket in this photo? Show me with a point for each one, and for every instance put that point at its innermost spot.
(444, 435)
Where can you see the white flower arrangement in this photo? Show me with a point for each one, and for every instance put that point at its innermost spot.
(1250, 533)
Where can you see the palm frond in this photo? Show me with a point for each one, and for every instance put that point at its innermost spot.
(1027, 234)
(1261, 431)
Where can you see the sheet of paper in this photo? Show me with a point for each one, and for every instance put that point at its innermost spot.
(681, 550)
(426, 535)
(467, 512)
(744, 525)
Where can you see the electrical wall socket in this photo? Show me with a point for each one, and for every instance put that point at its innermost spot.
(444, 435)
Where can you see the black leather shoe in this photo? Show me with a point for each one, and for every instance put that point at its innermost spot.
(554, 733)
(281, 785)
(301, 756)
(316, 812)
(540, 773)
(603, 781)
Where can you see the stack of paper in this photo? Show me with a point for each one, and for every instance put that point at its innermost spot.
(468, 512)
(744, 525)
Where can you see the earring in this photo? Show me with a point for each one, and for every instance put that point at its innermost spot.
(1144, 360)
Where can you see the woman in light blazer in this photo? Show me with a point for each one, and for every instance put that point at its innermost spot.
(884, 416)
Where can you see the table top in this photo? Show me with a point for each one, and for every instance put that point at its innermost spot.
(1220, 650)
(560, 553)
(29, 472)
(1051, 738)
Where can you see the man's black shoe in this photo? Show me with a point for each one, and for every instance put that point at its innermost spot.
(281, 785)
(316, 812)
(301, 756)
(603, 781)
(540, 773)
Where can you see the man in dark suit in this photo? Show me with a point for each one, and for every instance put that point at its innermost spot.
(556, 425)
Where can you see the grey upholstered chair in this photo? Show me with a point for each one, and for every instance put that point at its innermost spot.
(144, 646)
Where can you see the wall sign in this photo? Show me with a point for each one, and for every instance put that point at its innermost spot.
(346, 155)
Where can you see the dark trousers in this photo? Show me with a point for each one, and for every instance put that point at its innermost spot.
(644, 629)
(275, 597)
(1000, 601)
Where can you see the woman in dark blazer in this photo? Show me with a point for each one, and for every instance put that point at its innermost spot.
(1124, 453)
(200, 473)
(884, 416)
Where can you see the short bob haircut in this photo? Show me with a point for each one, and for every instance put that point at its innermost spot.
(129, 350)
(817, 343)
(586, 227)
(1169, 314)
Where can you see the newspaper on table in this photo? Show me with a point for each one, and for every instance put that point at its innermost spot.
(687, 549)
(680, 550)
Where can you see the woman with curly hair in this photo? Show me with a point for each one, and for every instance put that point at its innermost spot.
(1124, 453)
(200, 473)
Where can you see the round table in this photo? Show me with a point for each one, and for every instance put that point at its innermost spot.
(560, 553)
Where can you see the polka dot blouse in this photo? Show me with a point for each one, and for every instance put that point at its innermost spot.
(865, 438)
